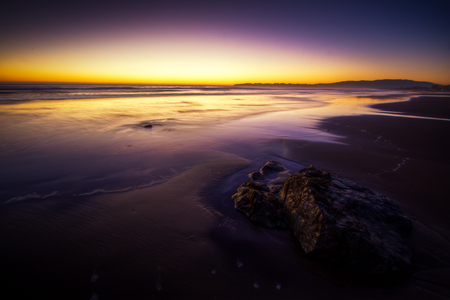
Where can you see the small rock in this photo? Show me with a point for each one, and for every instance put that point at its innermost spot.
(259, 205)
(256, 176)
(148, 126)
(271, 167)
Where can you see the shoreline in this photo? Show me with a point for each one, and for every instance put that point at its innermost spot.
(385, 152)
(405, 159)
(420, 106)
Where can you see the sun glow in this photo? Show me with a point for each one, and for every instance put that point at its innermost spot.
(200, 59)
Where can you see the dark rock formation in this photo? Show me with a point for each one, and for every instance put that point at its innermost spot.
(337, 220)
(148, 126)
(259, 205)
(256, 176)
(271, 167)
(333, 219)
(275, 188)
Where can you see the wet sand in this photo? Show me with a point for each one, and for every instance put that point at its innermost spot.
(130, 246)
(406, 159)
(436, 107)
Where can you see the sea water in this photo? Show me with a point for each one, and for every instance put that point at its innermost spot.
(78, 140)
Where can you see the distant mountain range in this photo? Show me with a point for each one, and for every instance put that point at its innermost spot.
(363, 84)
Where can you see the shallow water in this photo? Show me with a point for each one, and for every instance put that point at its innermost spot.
(76, 145)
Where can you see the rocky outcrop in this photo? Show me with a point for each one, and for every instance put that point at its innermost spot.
(337, 220)
(255, 200)
(334, 219)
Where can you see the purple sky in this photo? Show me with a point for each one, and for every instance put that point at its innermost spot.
(224, 41)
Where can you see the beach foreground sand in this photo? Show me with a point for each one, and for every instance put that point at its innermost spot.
(130, 246)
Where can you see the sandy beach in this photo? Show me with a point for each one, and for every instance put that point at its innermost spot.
(183, 239)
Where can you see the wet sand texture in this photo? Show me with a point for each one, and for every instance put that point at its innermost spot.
(436, 107)
(406, 159)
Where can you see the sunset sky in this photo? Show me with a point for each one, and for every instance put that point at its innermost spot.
(224, 42)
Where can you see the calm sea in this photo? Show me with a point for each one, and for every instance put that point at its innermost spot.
(77, 140)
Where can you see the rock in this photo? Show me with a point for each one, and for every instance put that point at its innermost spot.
(148, 126)
(332, 218)
(271, 167)
(256, 176)
(337, 220)
(275, 188)
(259, 205)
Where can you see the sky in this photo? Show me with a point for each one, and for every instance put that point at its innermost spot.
(224, 42)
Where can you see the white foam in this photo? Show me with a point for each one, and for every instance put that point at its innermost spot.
(21, 198)
(400, 164)
(55, 193)
(96, 191)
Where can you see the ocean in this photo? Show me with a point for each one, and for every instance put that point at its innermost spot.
(77, 140)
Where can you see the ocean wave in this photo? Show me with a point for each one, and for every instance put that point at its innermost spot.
(27, 92)
(34, 195)
(29, 197)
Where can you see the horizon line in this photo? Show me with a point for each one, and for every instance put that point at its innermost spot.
(203, 84)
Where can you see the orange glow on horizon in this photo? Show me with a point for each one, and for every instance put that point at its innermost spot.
(202, 60)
